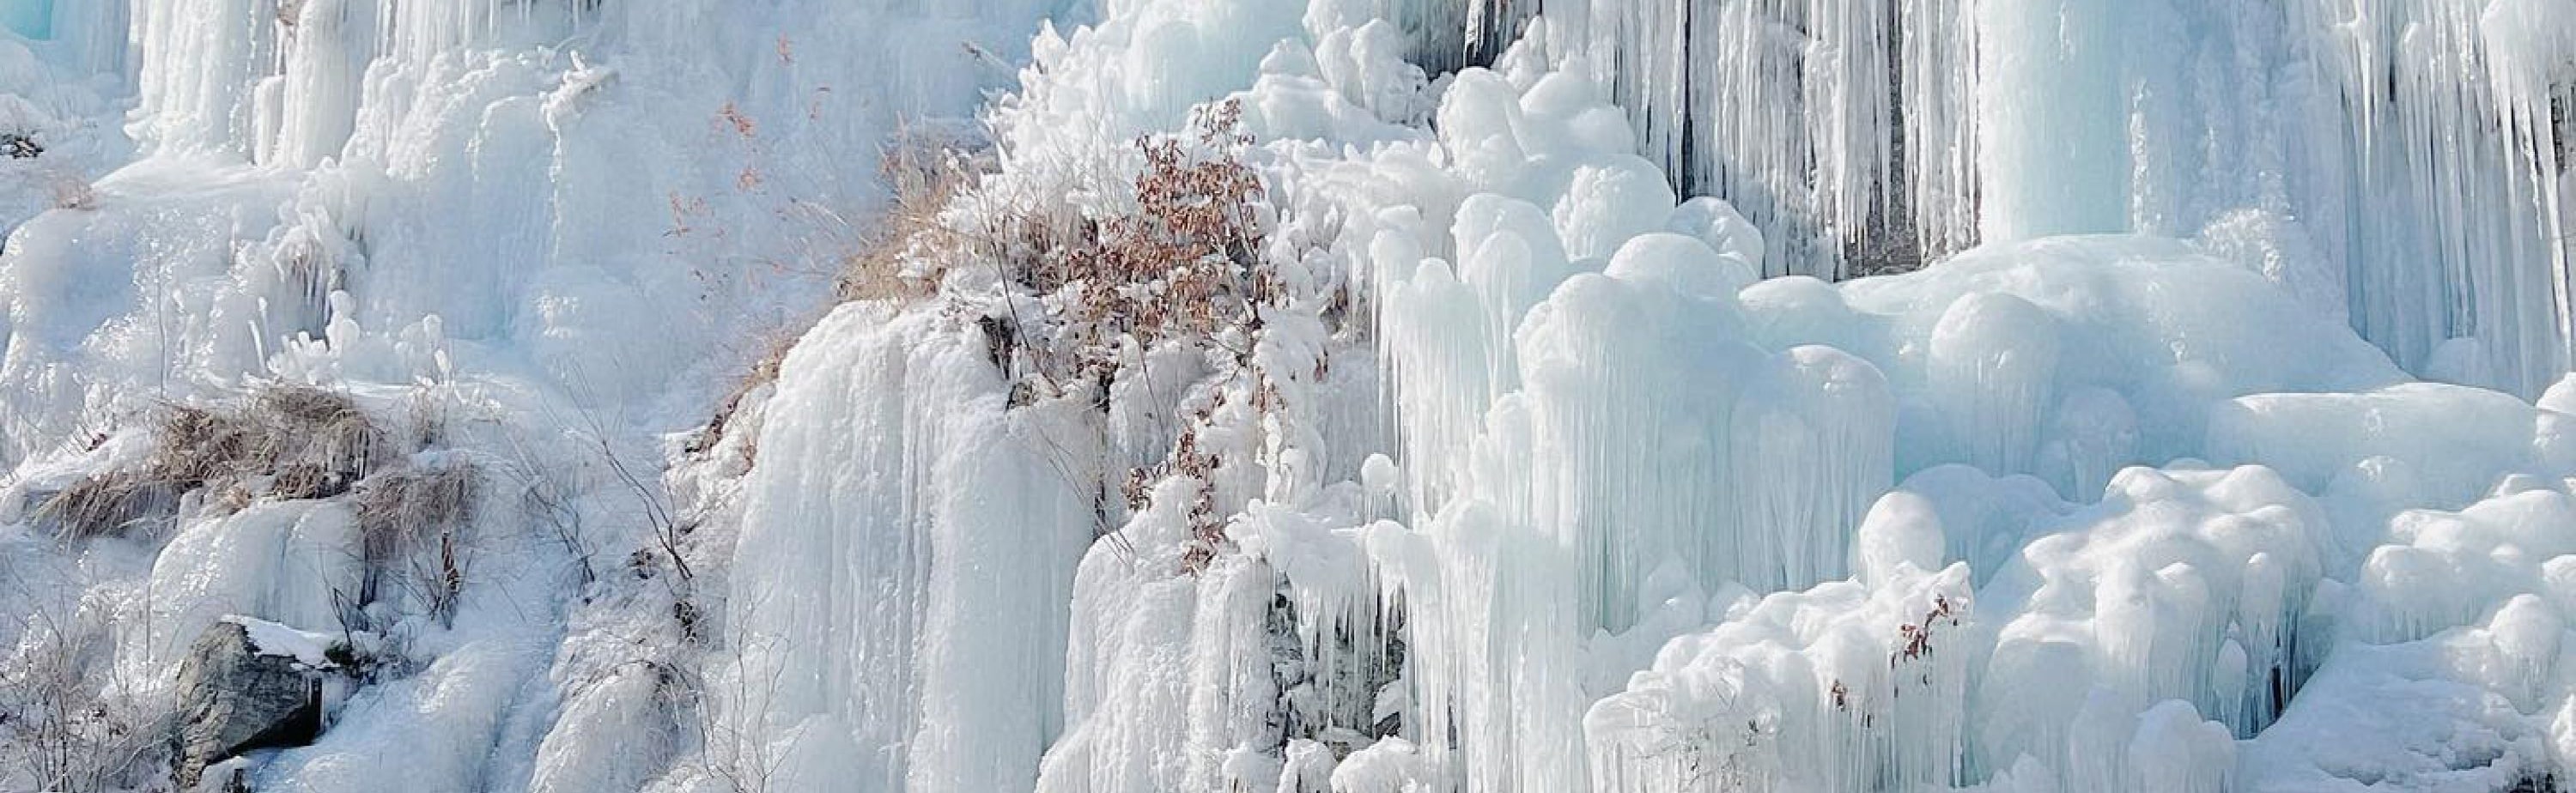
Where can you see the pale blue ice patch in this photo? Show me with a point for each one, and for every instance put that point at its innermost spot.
(30, 18)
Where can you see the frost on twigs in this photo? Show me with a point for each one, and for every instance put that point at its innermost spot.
(63, 727)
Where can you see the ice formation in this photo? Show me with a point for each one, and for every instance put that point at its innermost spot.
(900, 567)
(2202, 421)
(2399, 161)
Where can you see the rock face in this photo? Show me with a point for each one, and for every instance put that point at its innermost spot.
(234, 699)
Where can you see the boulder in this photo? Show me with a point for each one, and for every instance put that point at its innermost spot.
(234, 698)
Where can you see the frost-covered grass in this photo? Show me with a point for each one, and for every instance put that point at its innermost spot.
(68, 728)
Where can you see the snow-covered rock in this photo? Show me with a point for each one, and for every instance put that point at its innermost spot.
(246, 685)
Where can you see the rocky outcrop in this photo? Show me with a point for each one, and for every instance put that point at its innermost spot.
(236, 698)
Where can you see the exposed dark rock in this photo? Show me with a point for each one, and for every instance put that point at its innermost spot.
(20, 146)
(233, 699)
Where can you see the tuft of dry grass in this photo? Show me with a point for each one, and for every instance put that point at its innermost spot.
(322, 435)
(113, 504)
(926, 170)
(304, 442)
(763, 371)
(401, 509)
(411, 522)
(329, 428)
(303, 480)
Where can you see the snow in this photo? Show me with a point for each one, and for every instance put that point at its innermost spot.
(2422, 715)
(434, 731)
(272, 639)
(564, 225)
(2224, 440)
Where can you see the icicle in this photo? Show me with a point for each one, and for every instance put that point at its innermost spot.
(201, 62)
(1994, 366)
(327, 54)
(1814, 447)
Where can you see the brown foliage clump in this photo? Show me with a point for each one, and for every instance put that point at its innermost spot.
(1186, 262)
(321, 434)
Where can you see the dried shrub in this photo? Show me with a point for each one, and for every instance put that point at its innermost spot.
(1182, 262)
(411, 522)
(1187, 261)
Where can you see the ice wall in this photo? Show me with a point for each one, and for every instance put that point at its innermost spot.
(30, 18)
(1576, 495)
(91, 35)
(897, 612)
(1845, 129)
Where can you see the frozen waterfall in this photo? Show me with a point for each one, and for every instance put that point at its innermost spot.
(2399, 161)
(1304, 396)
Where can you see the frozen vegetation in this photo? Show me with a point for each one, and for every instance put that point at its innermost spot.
(1322, 396)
